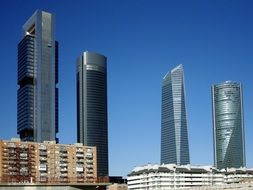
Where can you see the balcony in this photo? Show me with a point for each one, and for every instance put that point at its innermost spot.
(90, 171)
(42, 153)
(5, 150)
(64, 160)
(24, 173)
(64, 169)
(63, 155)
(23, 154)
(79, 169)
(11, 145)
(43, 178)
(23, 146)
(24, 150)
(5, 172)
(12, 151)
(5, 154)
(13, 173)
(63, 174)
(89, 161)
(43, 158)
(23, 169)
(12, 169)
(5, 159)
(80, 161)
(89, 166)
(63, 150)
(42, 167)
(12, 157)
(79, 155)
(43, 174)
(42, 147)
(80, 179)
(79, 175)
(79, 150)
(88, 155)
(63, 164)
(23, 162)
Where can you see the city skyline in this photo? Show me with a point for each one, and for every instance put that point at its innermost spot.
(174, 133)
(211, 39)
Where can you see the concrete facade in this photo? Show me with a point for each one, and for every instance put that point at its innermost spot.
(117, 186)
(171, 176)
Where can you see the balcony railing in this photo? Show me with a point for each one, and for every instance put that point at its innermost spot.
(79, 155)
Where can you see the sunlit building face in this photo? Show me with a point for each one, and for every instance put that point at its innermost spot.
(228, 128)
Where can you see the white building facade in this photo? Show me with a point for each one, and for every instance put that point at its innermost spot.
(171, 176)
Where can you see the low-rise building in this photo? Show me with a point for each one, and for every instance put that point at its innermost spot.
(117, 186)
(48, 162)
(171, 176)
(238, 175)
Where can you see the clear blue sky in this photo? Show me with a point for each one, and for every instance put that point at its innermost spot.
(143, 40)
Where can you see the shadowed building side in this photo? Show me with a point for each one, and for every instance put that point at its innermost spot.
(92, 106)
(37, 96)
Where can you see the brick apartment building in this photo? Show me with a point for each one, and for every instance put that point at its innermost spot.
(48, 162)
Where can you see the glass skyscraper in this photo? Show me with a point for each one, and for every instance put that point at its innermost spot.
(37, 96)
(228, 126)
(92, 106)
(174, 135)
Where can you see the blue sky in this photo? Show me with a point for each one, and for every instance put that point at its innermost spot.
(143, 40)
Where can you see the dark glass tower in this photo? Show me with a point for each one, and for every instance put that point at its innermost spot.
(228, 127)
(92, 106)
(174, 135)
(37, 79)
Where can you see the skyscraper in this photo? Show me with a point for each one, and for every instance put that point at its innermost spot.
(37, 79)
(228, 126)
(174, 135)
(92, 106)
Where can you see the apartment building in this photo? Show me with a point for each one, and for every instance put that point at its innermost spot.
(171, 176)
(47, 162)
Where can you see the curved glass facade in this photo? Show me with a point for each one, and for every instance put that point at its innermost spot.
(174, 135)
(92, 106)
(228, 128)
